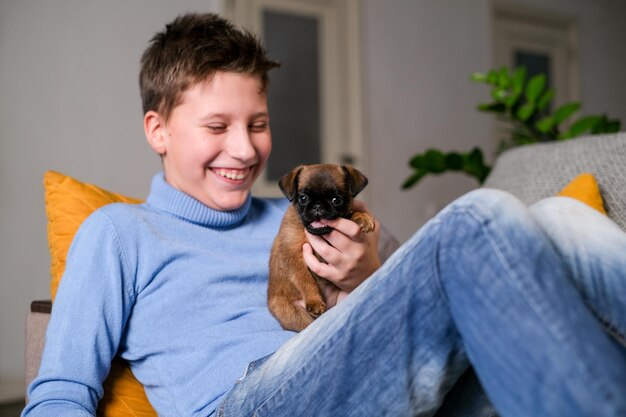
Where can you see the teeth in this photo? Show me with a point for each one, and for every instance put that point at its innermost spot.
(232, 175)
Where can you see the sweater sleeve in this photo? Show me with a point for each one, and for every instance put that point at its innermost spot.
(93, 303)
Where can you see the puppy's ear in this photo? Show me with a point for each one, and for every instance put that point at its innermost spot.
(355, 179)
(288, 183)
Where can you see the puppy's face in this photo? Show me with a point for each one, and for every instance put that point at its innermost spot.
(322, 191)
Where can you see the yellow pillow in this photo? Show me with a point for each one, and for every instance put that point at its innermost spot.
(123, 394)
(585, 188)
(68, 203)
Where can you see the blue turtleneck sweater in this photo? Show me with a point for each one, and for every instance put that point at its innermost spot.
(176, 289)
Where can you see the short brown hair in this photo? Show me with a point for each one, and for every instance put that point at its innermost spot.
(192, 48)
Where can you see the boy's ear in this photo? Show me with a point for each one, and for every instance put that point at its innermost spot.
(155, 131)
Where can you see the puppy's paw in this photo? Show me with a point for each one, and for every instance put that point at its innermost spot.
(365, 221)
(315, 308)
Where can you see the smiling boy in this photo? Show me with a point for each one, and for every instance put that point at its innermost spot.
(177, 286)
(216, 141)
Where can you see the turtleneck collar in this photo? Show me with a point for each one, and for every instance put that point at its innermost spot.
(166, 198)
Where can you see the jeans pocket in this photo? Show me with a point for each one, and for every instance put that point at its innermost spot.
(231, 396)
(252, 366)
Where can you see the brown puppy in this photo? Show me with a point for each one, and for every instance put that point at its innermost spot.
(322, 191)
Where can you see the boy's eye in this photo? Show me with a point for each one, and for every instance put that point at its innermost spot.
(258, 127)
(216, 128)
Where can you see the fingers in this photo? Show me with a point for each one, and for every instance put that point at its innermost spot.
(350, 254)
(331, 246)
(346, 233)
(345, 227)
(315, 265)
(349, 227)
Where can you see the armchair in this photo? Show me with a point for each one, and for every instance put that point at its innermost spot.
(530, 172)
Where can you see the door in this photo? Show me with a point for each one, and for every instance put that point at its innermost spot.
(315, 96)
(543, 43)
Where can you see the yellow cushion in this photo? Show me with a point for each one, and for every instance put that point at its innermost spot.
(585, 188)
(123, 394)
(68, 203)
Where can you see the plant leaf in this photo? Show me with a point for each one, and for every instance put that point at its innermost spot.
(492, 77)
(479, 77)
(545, 99)
(522, 137)
(454, 161)
(412, 180)
(526, 111)
(565, 111)
(475, 156)
(518, 80)
(474, 165)
(511, 100)
(492, 107)
(417, 161)
(434, 161)
(535, 87)
(498, 93)
(580, 126)
(605, 126)
(613, 126)
(503, 78)
(546, 124)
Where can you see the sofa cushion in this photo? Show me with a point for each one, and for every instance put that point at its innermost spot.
(537, 171)
(584, 188)
(68, 203)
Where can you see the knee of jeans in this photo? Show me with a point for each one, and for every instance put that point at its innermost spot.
(561, 215)
(490, 203)
(555, 207)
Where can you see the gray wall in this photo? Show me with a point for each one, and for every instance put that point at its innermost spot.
(418, 57)
(69, 101)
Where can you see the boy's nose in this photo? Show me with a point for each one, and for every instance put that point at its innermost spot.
(240, 145)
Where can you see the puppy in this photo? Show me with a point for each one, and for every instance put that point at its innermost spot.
(322, 191)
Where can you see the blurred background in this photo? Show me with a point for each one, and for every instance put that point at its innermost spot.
(366, 82)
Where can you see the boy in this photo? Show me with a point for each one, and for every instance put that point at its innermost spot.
(177, 286)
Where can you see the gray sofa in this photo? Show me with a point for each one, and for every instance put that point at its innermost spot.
(531, 173)
(535, 172)
(538, 171)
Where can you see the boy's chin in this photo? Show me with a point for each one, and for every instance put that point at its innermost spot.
(231, 202)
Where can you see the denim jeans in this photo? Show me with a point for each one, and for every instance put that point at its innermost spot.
(489, 282)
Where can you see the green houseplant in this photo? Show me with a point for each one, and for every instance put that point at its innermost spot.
(524, 104)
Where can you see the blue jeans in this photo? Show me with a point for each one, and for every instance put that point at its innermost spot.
(487, 282)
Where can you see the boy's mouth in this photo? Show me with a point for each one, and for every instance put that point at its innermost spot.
(232, 174)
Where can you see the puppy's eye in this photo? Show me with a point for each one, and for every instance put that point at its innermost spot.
(303, 199)
(336, 201)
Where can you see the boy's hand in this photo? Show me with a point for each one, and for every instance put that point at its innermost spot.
(351, 256)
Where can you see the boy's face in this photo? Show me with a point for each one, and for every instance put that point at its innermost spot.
(217, 140)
